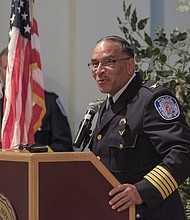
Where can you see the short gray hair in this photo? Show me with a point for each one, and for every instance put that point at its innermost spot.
(123, 44)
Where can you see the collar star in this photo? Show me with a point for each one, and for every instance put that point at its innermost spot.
(154, 86)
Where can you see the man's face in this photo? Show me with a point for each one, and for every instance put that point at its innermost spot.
(3, 68)
(110, 79)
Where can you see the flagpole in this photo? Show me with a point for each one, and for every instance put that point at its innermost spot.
(31, 10)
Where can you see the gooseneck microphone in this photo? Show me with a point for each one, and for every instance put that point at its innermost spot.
(85, 125)
(33, 148)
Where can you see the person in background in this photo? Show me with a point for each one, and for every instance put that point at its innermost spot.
(141, 135)
(55, 130)
(3, 67)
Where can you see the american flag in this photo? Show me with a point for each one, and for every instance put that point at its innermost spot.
(24, 105)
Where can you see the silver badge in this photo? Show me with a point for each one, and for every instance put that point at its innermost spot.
(122, 125)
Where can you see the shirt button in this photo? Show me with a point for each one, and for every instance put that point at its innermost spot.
(138, 215)
(99, 137)
(121, 146)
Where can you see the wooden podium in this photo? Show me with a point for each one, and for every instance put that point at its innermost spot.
(59, 186)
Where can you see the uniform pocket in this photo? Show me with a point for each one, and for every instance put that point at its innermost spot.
(123, 154)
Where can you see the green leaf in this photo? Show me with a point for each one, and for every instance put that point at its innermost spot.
(160, 32)
(136, 43)
(142, 23)
(124, 6)
(128, 11)
(143, 53)
(119, 20)
(182, 36)
(124, 30)
(134, 20)
(178, 36)
(173, 40)
(147, 39)
(163, 58)
(161, 41)
(155, 51)
(148, 52)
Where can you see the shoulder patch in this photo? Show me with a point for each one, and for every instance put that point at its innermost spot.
(167, 107)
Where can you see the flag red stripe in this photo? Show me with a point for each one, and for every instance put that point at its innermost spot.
(36, 58)
(34, 29)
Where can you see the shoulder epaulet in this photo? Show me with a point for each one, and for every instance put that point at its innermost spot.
(151, 85)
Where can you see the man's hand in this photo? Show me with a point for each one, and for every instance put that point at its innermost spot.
(124, 196)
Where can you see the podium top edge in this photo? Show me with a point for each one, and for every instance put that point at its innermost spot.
(13, 155)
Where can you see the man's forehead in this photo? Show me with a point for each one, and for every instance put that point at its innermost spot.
(107, 44)
(106, 48)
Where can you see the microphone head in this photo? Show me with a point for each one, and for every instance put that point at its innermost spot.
(94, 106)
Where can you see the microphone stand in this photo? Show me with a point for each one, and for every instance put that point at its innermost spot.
(83, 135)
(86, 140)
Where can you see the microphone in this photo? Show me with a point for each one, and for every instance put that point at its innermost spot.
(86, 124)
(33, 148)
(37, 149)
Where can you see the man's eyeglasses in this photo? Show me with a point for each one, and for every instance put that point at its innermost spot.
(107, 63)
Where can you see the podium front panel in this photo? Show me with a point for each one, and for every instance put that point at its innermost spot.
(58, 186)
(74, 190)
(14, 185)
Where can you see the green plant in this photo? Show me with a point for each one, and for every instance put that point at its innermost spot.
(185, 195)
(165, 59)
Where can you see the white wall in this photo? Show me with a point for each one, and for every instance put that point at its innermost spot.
(68, 31)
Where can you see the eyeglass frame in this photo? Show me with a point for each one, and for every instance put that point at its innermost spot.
(90, 65)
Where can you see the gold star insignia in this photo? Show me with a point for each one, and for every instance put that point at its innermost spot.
(154, 86)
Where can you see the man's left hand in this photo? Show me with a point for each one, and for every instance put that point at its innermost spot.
(124, 195)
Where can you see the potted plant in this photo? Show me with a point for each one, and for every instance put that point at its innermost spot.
(165, 59)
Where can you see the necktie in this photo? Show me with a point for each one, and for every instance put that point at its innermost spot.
(109, 105)
(111, 101)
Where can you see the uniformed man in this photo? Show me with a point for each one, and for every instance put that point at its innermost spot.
(142, 138)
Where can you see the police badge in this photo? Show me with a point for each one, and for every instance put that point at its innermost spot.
(122, 126)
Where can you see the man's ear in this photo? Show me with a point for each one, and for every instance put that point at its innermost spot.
(131, 66)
